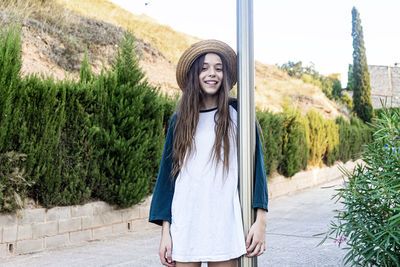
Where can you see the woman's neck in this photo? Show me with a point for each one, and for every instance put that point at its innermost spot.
(209, 102)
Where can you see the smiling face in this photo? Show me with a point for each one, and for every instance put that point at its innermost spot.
(211, 75)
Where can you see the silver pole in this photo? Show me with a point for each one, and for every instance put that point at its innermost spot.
(246, 116)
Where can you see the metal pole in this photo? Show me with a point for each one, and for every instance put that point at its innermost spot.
(246, 116)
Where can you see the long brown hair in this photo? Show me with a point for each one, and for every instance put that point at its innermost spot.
(188, 117)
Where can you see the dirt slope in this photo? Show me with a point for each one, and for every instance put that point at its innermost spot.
(55, 39)
(273, 87)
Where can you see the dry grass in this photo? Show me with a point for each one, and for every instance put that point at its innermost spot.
(45, 11)
(61, 35)
(169, 42)
(274, 88)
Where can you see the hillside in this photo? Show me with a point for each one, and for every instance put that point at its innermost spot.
(55, 35)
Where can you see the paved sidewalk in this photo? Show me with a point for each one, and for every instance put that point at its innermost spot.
(292, 222)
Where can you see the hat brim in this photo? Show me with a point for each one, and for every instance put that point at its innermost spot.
(204, 47)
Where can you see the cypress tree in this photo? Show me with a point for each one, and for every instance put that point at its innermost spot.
(10, 67)
(295, 143)
(332, 142)
(362, 87)
(127, 133)
(271, 126)
(85, 72)
(318, 137)
(350, 79)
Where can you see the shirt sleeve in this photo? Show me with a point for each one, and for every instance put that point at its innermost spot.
(160, 208)
(260, 196)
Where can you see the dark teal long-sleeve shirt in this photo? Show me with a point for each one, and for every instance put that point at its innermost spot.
(160, 209)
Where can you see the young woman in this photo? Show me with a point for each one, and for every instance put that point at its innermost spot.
(196, 196)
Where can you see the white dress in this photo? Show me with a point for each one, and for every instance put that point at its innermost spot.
(206, 214)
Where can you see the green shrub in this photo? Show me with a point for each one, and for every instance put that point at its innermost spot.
(13, 186)
(369, 221)
(352, 135)
(128, 131)
(362, 134)
(345, 139)
(379, 113)
(294, 143)
(99, 138)
(10, 67)
(169, 105)
(74, 145)
(361, 76)
(347, 101)
(308, 78)
(44, 116)
(356, 138)
(318, 141)
(332, 140)
(271, 127)
(34, 123)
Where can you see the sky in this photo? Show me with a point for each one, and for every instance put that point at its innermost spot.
(312, 31)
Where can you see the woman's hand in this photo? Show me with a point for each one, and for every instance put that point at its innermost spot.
(166, 246)
(255, 242)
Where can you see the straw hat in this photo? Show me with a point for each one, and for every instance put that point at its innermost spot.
(204, 47)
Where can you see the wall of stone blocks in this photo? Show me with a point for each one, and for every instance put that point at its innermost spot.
(385, 85)
(395, 75)
(280, 185)
(34, 230)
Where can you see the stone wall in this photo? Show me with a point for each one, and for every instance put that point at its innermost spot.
(280, 185)
(385, 85)
(34, 230)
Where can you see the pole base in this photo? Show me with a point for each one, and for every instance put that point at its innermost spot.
(248, 262)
